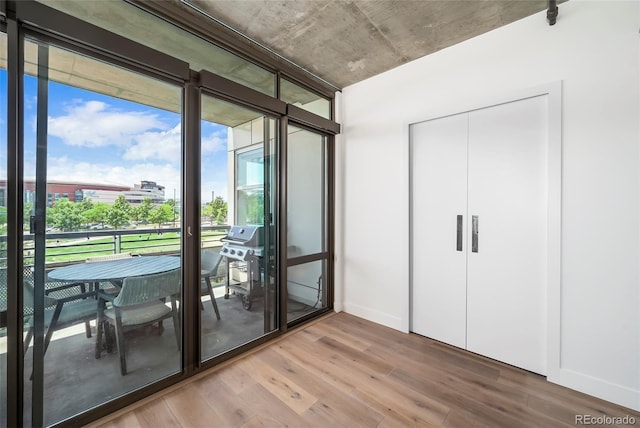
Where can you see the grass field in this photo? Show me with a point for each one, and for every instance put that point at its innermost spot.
(63, 250)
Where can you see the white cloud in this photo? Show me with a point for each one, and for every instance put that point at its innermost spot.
(167, 145)
(147, 148)
(156, 145)
(96, 124)
(214, 142)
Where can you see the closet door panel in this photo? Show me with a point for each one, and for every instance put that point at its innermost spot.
(506, 286)
(439, 196)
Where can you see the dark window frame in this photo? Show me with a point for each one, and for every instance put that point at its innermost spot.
(45, 24)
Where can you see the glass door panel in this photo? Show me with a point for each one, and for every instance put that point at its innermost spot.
(237, 184)
(306, 193)
(102, 258)
(306, 288)
(307, 196)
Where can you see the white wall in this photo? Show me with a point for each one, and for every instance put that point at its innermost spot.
(594, 50)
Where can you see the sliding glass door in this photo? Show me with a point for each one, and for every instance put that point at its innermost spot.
(238, 171)
(155, 220)
(102, 237)
(307, 226)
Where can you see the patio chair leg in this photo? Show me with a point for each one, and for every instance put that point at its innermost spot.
(176, 322)
(27, 340)
(52, 326)
(109, 334)
(87, 329)
(47, 337)
(213, 297)
(120, 343)
(100, 325)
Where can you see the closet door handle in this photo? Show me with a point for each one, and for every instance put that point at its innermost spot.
(474, 233)
(459, 233)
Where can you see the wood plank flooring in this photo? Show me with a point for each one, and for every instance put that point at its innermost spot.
(343, 371)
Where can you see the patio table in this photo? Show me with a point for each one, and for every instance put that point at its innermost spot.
(114, 271)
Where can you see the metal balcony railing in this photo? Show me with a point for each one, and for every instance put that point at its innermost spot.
(70, 247)
(63, 248)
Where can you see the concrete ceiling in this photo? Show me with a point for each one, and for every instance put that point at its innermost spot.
(344, 42)
(340, 41)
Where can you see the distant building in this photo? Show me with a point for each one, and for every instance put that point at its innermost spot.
(146, 189)
(78, 192)
(135, 196)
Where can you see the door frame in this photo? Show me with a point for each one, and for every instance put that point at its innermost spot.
(553, 91)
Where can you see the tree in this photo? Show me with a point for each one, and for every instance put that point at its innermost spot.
(172, 203)
(206, 211)
(219, 210)
(221, 217)
(118, 214)
(255, 208)
(3, 232)
(161, 214)
(141, 212)
(65, 215)
(86, 204)
(26, 213)
(216, 210)
(97, 213)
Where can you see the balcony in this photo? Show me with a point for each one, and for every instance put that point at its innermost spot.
(74, 379)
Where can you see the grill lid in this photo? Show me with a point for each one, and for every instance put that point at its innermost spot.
(247, 236)
(242, 242)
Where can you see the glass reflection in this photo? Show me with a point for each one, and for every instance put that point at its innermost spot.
(237, 267)
(102, 176)
(306, 193)
(136, 24)
(305, 99)
(306, 289)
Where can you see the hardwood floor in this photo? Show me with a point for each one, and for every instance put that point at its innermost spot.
(343, 371)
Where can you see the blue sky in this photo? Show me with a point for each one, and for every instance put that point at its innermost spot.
(94, 138)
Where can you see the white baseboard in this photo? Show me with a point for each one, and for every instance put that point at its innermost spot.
(614, 393)
(373, 315)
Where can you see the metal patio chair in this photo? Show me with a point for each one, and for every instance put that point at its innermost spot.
(60, 312)
(141, 302)
(209, 265)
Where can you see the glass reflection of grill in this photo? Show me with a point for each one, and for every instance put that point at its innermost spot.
(243, 246)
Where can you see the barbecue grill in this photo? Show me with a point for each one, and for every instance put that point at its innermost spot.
(243, 246)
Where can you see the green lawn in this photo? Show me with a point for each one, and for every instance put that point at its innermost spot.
(63, 250)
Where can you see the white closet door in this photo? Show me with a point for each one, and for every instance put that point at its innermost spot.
(439, 195)
(506, 288)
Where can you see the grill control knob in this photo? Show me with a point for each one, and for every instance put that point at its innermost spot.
(232, 251)
(239, 252)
